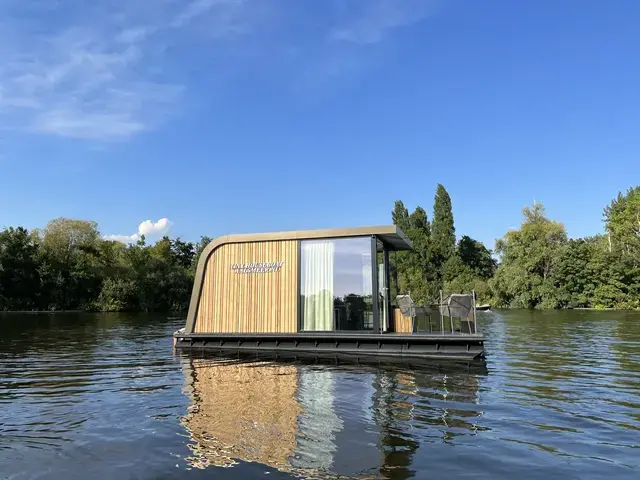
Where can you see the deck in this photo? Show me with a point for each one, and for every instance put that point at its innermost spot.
(417, 345)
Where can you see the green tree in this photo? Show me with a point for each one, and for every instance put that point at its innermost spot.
(124, 288)
(575, 275)
(622, 222)
(198, 249)
(118, 294)
(443, 232)
(416, 276)
(183, 253)
(411, 271)
(400, 215)
(398, 261)
(468, 269)
(476, 256)
(524, 277)
(466, 282)
(618, 275)
(19, 270)
(69, 267)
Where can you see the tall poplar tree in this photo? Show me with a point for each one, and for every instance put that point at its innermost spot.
(443, 232)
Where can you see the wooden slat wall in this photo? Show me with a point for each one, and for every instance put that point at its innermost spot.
(401, 323)
(250, 302)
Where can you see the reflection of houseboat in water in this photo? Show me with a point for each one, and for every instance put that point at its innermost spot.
(319, 291)
(318, 420)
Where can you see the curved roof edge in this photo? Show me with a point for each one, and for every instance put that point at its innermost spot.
(390, 234)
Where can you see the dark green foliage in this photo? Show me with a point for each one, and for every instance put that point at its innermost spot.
(437, 263)
(469, 269)
(199, 247)
(157, 277)
(19, 270)
(540, 268)
(398, 262)
(524, 277)
(69, 266)
(476, 256)
(622, 220)
(400, 215)
(443, 232)
(410, 271)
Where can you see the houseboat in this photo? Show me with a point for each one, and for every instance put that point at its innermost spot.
(319, 292)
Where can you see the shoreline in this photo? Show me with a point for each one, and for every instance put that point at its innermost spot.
(39, 312)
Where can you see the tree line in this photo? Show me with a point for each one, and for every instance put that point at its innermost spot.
(68, 265)
(535, 266)
(438, 262)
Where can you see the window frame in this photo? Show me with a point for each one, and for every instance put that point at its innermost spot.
(374, 285)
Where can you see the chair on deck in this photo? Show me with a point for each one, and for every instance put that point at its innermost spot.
(461, 306)
(410, 310)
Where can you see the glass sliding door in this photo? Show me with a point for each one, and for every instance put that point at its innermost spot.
(336, 284)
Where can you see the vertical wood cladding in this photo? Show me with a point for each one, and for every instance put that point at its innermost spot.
(238, 297)
(401, 323)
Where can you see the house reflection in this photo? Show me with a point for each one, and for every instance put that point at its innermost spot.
(242, 411)
(313, 419)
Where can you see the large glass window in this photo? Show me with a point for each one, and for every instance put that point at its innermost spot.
(336, 284)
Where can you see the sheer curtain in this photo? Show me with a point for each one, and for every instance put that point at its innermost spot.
(382, 297)
(317, 284)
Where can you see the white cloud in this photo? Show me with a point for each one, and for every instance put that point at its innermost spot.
(154, 228)
(122, 238)
(147, 228)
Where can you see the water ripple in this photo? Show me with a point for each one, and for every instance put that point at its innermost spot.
(103, 396)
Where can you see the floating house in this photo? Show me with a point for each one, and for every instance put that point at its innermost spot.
(317, 291)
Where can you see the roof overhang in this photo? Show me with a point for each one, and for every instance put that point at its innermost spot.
(389, 234)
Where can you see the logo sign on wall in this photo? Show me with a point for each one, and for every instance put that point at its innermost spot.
(257, 267)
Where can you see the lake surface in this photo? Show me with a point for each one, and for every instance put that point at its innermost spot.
(104, 396)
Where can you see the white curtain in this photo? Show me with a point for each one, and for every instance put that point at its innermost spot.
(317, 284)
(382, 288)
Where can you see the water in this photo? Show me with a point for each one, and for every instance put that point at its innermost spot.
(103, 396)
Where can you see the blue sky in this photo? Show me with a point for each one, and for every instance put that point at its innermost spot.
(228, 116)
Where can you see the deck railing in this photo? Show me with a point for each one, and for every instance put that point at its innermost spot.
(455, 314)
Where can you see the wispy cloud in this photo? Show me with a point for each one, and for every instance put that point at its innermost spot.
(111, 70)
(147, 228)
(223, 17)
(376, 19)
(95, 74)
(353, 42)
